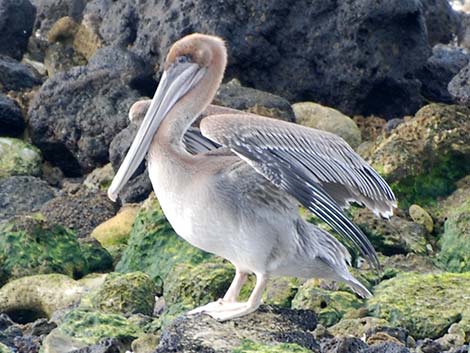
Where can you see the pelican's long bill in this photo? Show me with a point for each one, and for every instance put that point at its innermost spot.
(175, 82)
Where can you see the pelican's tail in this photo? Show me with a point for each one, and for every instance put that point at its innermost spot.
(358, 287)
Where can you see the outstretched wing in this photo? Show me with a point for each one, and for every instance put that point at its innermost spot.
(319, 169)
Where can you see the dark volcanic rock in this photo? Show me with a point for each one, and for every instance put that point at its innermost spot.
(15, 76)
(343, 345)
(359, 56)
(387, 347)
(23, 194)
(441, 67)
(459, 86)
(16, 25)
(75, 116)
(11, 119)
(49, 11)
(8, 331)
(234, 95)
(81, 212)
(441, 21)
(201, 333)
(107, 345)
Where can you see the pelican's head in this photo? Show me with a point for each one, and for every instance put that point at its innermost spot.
(189, 60)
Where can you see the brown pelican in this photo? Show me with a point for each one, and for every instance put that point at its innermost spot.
(235, 189)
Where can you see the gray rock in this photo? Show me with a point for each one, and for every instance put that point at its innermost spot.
(16, 25)
(75, 116)
(8, 331)
(337, 53)
(11, 118)
(463, 349)
(441, 21)
(22, 195)
(343, 345)
(459, 86)
(107, 345)
(200, 333)
(445, 62)
(59, 57)
(234, 95)
(81, 212)
(429, 346)
(15, 76)
(387, 347)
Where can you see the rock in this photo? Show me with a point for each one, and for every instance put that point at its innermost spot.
(100, 178)
(458, 86)
(76, 114)
(371, 127)
(330, 306)
(49, 11)
(356, 327)
(145, 343)
(59, 57)
(455, 337)
(335, 53)
(234, 95)
(423, 157)
(81, 328)
(87, 40)
(30, 246)
(446, 62)
(114, 233)
(28, 298)
(11, 118)
(16, 25)
(387, 347)
(81, 212)
(455, 242)
(5, 349)
(23, 194)
(324, 118)
(98, 258)
(267, 326)
(425, 304)
(18, 158)
(15, 76)
(393, 236)
(125, 294)
(384, 333)
(107, 345)
(410, 263)
(249, 346)
(8, 331)
(420, 216)
(280, 291)
(441, 21)
(154, 248)
(429, 346)
(343, 345)
(63, 30)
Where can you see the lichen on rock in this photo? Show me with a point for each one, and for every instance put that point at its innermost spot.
(18, 158)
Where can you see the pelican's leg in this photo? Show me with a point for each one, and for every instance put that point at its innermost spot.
(234, 310)
(230, 296)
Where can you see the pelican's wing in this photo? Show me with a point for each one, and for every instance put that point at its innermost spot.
(196, 143)
(309, 164)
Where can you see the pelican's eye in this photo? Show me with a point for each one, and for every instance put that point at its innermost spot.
(183, 59)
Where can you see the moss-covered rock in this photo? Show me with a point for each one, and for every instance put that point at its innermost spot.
(5, 349)
(455, 242)
(249, 346)
(98, 258)
(425, 304)
(113, 234)
(31, 246)
(18, 158)
(394, 236)
(420, 216)
(31, 297)
(154, 247)
(356, 327)
(145, 343)
(328, 119)
(280, 291)
(330, 306)
(81, 328)
(423, 157)
(126, 294)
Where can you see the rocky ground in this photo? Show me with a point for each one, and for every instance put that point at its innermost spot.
(79, 273)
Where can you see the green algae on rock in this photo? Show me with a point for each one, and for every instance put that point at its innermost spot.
(249, 346)
(18, 158)
(153, 246)
(31, 246)
(356, 327)
(98, 258)
(423, 157)
(420, 216)
(40, 295)
(80, 328)
(425, 304)
(330, 306)
(455, 242)
(125, 294)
